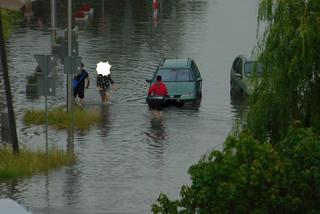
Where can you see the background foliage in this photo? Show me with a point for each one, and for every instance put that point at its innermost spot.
(290, 52)
(9, 17)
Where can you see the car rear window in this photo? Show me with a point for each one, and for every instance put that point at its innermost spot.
(251, 67)
(176, 75)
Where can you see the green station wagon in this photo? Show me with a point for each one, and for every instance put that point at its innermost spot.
(183, 81)
(242, 70)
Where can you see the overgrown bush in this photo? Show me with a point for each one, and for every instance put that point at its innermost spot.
(253, 177)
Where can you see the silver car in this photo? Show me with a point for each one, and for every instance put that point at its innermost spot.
(242, 70)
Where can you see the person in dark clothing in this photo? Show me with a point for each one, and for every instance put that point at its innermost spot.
(104, 84)
(78, 90)
(158, 91)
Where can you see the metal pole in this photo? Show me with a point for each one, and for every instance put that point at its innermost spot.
(53, 22)
(69, 76)
(46, 99)
(103, 9)
(4, 69)
(53, 42)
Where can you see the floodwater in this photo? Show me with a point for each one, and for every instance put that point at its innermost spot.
(125, 162)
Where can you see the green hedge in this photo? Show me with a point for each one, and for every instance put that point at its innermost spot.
(249, 176)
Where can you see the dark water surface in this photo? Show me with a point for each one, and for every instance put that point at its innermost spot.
(128, 160)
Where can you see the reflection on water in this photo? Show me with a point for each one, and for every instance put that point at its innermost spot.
(105, 125)
(71, 186)
(70, 140)
(157, 135)
(239, 103)
(157, 130)
(11, 189)
(130, 157)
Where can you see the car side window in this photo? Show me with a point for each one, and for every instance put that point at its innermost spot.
(195, 69)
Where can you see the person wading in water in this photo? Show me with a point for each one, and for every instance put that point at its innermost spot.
(158, 91)
(78, 90)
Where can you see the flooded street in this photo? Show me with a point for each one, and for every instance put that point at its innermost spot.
(125, 162)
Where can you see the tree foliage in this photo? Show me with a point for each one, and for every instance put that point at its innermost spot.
(253, 177)
(290, 52)
(9, 17)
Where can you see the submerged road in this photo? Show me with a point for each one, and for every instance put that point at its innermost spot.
(130, 158)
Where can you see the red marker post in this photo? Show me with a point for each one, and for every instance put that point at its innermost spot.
(155, 10)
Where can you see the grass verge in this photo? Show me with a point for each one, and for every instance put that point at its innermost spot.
(59, 118)
(29, 162)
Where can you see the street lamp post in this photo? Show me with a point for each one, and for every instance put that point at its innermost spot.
(53, 22)
(69, 77)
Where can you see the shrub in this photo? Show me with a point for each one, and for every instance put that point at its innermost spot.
(253, 177)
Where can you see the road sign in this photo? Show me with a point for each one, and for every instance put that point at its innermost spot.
(61, 49)
(51, 87)
(46, 62)
(72, 65)
(45, 85)
(36, 87)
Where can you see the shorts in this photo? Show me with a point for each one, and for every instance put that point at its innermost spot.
(156, 103)
(78, 91)
(104, 89)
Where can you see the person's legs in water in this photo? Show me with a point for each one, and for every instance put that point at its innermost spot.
(103, 95)
(108, 95)
(156, 113)
(159, 110)
(81, 96)
(156, 108)
(75, 96)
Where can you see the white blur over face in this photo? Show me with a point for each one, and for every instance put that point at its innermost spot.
(103, 68)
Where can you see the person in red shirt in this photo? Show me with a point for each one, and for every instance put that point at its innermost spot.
(158, 91)
(158, 88)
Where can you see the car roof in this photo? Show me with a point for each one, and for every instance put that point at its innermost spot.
(175, 63)
(248, 58)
